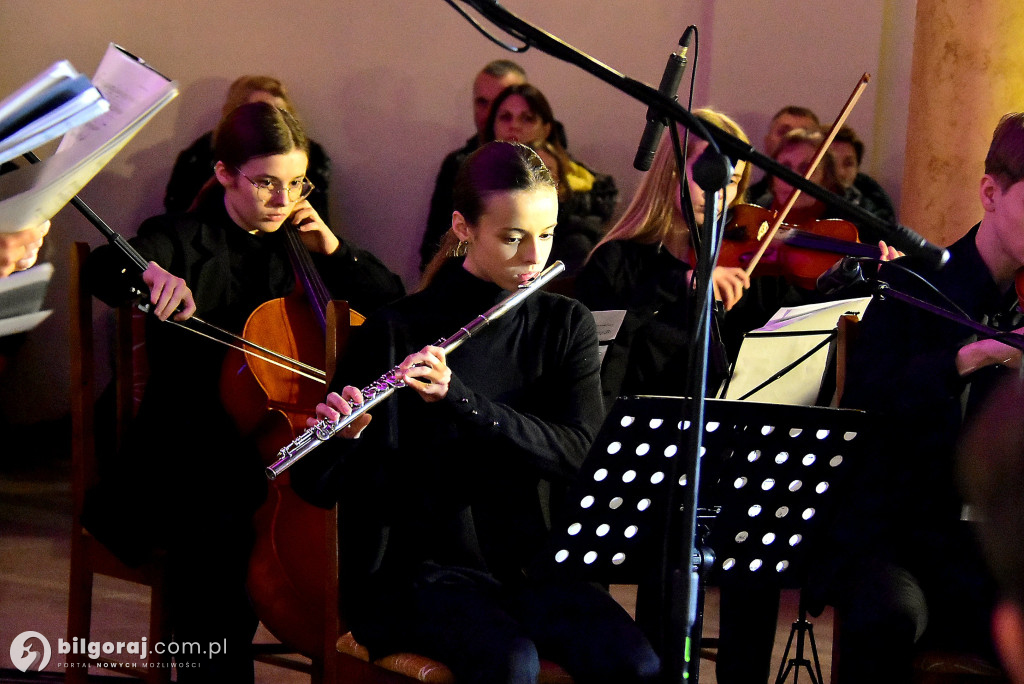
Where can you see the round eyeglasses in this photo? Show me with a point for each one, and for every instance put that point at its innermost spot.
(266, 189)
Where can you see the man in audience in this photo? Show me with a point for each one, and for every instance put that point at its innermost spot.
(492, 79)
(848, 151)
(785, 120)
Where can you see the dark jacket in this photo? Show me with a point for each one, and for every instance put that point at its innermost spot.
(650, 354)
(456, 485)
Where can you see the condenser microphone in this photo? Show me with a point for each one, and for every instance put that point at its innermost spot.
(669, 87)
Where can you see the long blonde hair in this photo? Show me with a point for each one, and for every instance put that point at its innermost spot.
(652, 214)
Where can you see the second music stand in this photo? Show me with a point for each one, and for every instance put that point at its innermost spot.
(768, 473)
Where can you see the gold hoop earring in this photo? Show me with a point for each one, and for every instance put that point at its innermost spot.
(461, 248)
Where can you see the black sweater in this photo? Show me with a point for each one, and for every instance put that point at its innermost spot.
(457, 483)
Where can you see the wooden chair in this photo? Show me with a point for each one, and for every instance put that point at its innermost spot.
(88, 557)
(353, 666)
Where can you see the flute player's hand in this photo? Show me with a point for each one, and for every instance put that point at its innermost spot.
(337, 405)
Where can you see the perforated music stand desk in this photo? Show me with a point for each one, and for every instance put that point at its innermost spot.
(767, 470)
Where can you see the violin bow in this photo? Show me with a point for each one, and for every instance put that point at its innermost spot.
(140, 262)
(819, 155)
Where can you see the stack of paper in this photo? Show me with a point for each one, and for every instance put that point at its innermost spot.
(21, 298)
(135, 92)
(97, 119)
(48, 106)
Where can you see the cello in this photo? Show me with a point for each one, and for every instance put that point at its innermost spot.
(270, 404)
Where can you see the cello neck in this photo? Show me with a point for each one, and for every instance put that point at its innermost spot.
(307, 275)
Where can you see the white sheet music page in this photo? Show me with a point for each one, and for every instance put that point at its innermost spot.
(790, 335)
(608, 324)
(52, 103)
(135, 92)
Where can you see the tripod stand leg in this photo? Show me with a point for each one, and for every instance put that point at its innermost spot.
(797, 631)
(787, 663)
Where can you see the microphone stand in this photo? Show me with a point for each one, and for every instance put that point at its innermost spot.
(1012, 339)
(901, 237)
(680, 578)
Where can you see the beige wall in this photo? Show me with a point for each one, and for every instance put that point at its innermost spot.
(385, 87)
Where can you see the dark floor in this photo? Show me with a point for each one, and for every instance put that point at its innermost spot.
(35, 513)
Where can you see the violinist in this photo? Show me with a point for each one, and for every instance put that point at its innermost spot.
(448, 488)
(186, 482)
(644, 265)
(796, 151)
(909, 572)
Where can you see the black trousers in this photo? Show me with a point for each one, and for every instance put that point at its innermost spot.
(888, 612)
(212, 619)
(492, 634)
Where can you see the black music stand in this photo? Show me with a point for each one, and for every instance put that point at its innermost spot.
(768, 471)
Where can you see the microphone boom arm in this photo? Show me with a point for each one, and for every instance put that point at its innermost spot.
(901, 237)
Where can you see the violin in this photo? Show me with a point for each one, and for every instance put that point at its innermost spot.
(800, 253)
(270, 404)
(801, 268)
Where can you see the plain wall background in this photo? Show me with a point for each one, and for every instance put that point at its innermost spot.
(385, 88)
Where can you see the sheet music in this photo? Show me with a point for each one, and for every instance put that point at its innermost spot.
(136, 93)
(21, 298)
(608, 324)
(767, 351)
(46, 107)
(22, 98)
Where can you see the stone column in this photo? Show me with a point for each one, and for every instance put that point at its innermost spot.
(967, 71)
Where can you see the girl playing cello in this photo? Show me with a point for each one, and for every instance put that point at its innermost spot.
(186, 481)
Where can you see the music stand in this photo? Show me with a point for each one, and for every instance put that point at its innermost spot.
(768, 471)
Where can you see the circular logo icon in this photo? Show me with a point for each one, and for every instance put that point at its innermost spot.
(22, 654)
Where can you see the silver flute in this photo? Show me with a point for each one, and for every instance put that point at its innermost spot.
(381, 389)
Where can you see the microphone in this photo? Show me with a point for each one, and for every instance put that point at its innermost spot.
(669, 88)
(846, 273)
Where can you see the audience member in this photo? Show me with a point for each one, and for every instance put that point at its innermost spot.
(194, 167)
(992, 470)
(785, 120)
(587, 198)
(492, 79)
(848, 151)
